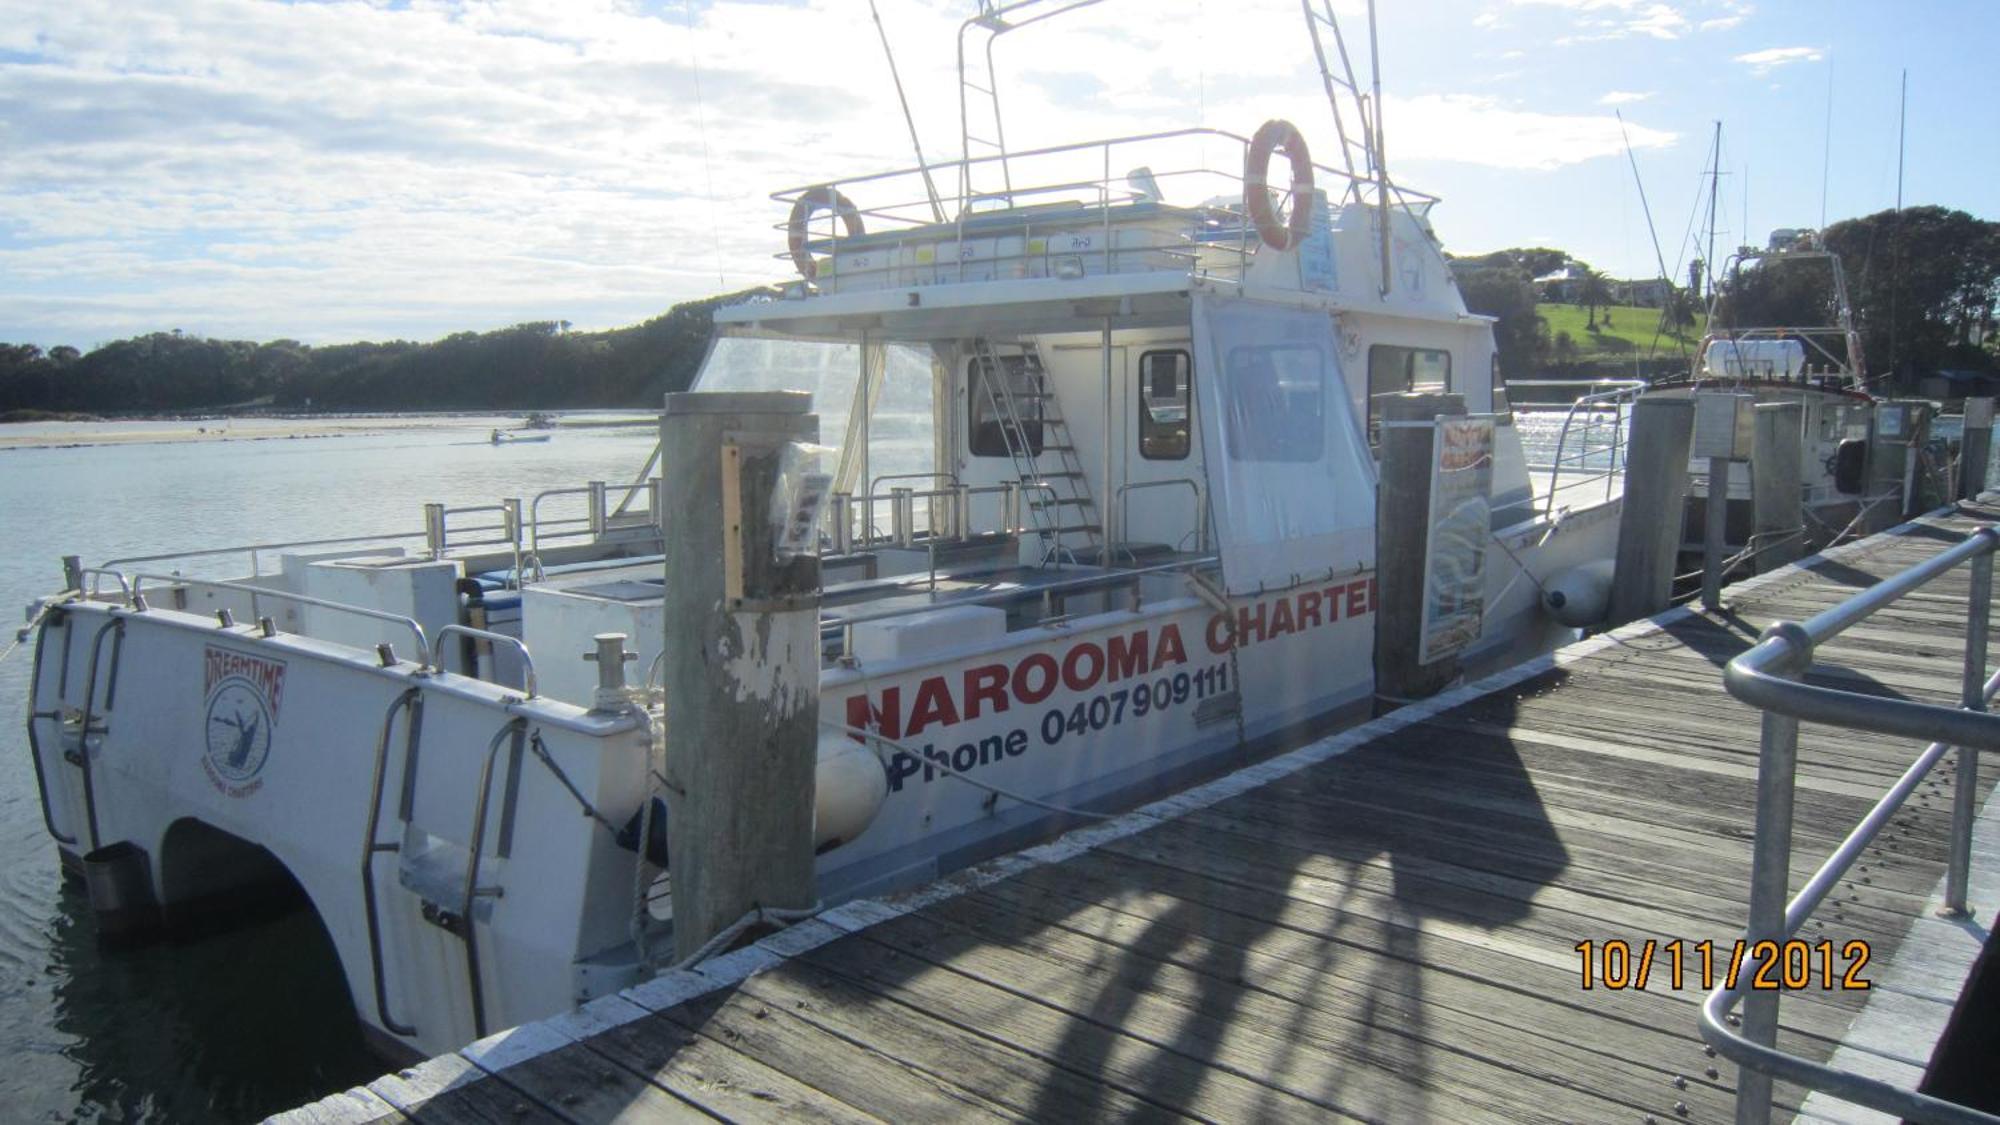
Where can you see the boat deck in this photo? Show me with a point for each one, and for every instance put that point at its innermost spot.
(1381, 925)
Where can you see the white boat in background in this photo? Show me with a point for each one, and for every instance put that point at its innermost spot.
(511, 437)
(1103, 517)
(1819, 365)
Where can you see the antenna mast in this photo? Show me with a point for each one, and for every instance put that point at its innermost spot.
(923, 166)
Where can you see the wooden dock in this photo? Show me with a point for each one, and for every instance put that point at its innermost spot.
(1380, 925)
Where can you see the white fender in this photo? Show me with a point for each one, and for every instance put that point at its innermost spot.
(850, 788)
(1579, 596)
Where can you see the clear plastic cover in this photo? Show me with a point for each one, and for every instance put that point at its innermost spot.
(1291, 484)
(797, 500)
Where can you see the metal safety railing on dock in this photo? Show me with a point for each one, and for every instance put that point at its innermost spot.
(1769, 677)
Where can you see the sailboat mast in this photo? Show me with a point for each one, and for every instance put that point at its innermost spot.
(1714, 182)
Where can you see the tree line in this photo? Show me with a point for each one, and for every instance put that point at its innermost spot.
(532, 366)
(1923, 285)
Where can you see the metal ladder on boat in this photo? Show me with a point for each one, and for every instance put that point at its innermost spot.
(1320, 22)
(450, 909)
(1052, 496)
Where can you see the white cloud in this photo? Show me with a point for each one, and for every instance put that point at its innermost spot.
(1771, 58)
(347, 169)
(1479, 130)
(1623, 97)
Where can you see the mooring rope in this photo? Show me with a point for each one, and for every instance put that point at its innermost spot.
(21, 636)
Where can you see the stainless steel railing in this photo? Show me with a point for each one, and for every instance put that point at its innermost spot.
(529, 681)
(1200, 532)
(1082, 174)
(138, 602)
(1615, 402)
(1768, 677)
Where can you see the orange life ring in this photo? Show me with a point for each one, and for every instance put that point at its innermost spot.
(813, 200)
(1278, 135)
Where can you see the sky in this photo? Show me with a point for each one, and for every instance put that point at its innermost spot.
(368, 170)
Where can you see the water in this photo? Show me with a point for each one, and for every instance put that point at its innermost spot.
(237, 1024)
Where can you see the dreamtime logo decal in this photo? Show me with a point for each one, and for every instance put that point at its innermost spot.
(244, 693)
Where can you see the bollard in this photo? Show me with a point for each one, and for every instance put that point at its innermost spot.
(741, 670)
(1402, 533)
(1649, 525)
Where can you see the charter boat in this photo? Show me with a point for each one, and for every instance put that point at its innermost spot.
(1100, 458)
(1815, 361)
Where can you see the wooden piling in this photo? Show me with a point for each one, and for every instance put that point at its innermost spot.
(1402, 533)
(1649, 526)
(742, 665)
(1777, 496)
(1975, 447)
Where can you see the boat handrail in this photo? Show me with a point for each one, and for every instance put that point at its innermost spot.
(592, 519)
(877, 483)
(1618, 396)
(792, 194)
(1769, 677)
(253, 549)
(902, 511)
(528, 679)
(124, 587)
(509, 527)
(1064, 586)
(915, 213)
(1200, 506)
(139, 603)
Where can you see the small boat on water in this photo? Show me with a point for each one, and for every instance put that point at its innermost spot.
(510, 437)
(1101, 466)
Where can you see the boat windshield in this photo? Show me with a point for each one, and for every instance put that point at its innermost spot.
(900, 428)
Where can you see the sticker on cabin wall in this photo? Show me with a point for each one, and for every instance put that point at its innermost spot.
(244, 693)
(1410, 267)
(1317, 270)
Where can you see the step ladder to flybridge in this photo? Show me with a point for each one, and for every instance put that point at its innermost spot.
(1061, 510)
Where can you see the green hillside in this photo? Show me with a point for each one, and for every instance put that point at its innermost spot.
(1622, 331)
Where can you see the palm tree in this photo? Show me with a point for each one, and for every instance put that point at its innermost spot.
(1592, 291)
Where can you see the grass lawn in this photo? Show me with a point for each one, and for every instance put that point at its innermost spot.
(1623, 330)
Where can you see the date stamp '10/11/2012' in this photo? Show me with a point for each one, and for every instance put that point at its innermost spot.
(1793, 965)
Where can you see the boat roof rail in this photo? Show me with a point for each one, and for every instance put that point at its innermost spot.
(1412, 198)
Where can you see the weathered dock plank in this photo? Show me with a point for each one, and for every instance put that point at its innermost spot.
(1382, 926)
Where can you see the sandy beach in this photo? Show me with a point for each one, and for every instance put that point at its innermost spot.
(139, 431)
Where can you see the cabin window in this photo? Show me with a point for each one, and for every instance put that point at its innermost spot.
(997, 402)
(1166, 392)
(1394, 370)
(1277, 399)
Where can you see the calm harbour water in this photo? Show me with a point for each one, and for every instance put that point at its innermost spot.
(236, 1024)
